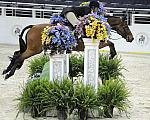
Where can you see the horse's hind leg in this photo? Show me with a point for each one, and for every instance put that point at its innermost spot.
(8, 68)
(16, 65)
(16, 54)
(12, 71)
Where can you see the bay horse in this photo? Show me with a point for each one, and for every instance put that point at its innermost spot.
(33, 45)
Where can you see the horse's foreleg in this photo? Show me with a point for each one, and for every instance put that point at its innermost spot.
(80, 45)
(102, 45)
(112, 49)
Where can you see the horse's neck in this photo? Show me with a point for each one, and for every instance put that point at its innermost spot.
(113, 21)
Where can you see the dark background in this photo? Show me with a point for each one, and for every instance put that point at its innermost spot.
(108, 3)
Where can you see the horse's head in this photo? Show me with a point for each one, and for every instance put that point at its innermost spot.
(121, 27)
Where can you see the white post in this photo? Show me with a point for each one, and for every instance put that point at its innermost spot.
(33, 13)
(66, 65)
(3, 11)
(58, 66)
(91, 62)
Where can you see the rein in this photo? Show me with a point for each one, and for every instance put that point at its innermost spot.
(115, 38)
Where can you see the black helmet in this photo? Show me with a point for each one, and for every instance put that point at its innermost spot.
(94, 4)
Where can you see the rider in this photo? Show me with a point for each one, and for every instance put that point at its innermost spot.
(73, 13)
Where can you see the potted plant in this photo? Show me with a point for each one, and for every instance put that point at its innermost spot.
(35, 98)
(113, 94)
(36, 65)
(63, 97)
(76, 65)
(85, 97)
(110, 68)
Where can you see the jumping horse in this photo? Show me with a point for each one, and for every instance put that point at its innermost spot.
(33, 45)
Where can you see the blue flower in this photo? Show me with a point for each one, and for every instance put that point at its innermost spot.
(56, 19)
(61, 37)
(102, 19)
(57, 34)
(54, 40)
(101, 9)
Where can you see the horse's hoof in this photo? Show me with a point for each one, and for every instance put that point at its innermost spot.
(112, 55)
(6, 77)
(4, 72)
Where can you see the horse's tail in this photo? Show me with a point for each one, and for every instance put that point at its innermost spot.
(22, 43)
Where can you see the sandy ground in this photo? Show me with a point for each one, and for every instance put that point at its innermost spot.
(137, 78)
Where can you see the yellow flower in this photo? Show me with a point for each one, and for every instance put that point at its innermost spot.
(84, 3)
(45, 39)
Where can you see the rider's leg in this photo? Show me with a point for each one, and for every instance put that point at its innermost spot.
(72, 18)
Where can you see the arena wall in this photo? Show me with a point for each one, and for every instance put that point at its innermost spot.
(12, 25)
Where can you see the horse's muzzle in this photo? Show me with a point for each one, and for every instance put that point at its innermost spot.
(130, 38)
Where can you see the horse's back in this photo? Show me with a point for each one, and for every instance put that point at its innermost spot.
(33, 37)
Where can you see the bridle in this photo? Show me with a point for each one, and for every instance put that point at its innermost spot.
(124, 26)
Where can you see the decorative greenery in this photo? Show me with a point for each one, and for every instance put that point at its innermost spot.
(36, 64)
(85, 97)
(63, 93)
(110, 68)
(113, 94)
(40, 95)
(76, 65)
(36, 98)
(107, 68)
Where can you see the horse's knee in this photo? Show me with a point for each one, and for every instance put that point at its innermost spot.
(20, 64)
(113, 52)
(111, 44)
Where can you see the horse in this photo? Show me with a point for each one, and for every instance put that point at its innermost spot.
(33, 45)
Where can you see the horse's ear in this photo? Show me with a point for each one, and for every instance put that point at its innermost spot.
(125, 16)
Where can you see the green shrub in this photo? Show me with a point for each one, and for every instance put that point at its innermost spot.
(36, 97)
(110, 68)
(85, 97)
(36, 64)
(63, 93)
(113, 94)
(107, 68)
(76, 65)
(40, 95)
